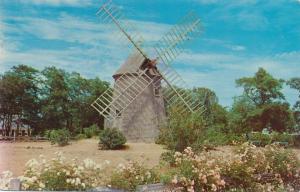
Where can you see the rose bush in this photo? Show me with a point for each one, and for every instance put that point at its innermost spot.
(57, 174)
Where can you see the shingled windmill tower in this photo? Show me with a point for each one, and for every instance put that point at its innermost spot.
(145, 88)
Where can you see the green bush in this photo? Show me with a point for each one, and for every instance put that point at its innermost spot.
(91, 131)
(260, 139)
(183, 130)
(111, 138)
(282, 137)
(60, 136)
(80, 136)
(47, 134)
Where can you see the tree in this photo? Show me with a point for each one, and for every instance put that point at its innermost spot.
(55, 99)
(267, 108)
(19, 97)
(262, 88)
(207, 98)
(294, 83)
(239, 114)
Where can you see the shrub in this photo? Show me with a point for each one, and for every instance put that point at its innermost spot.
(254, 167)
(283, 162)
(194, 173)
(5, 178)
(183, 130)
(60, 136)
(91, 131)
(168, 157)
(47, 134)
(131, 175)
(250, 169)
(57, 174)
(260, 139)
(111, 138)
(282, 137)
(80, 136)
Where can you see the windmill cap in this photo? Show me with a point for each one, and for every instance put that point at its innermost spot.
(131, 65)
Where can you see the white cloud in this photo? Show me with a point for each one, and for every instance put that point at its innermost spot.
(225, 44)
(100, 54)
(219, 71)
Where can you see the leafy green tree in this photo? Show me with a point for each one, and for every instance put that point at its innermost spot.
(262, 88)
(265, 107)
(295, 84)
(239, 113)
(55, 99)
(19, 97)
(207, 98)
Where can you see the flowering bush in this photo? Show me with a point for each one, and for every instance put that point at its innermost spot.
(57, 174)
(131, 175)
(194, 173)
(284, 163)
(5, 178)
(250, 169)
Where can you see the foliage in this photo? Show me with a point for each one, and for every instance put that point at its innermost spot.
(282, 137)
(5, 178)
(57, 174)
(80, 136)
(194, 173)
(91, 131)
(19, 101)
(295, 84)
(262, 88)
(132, 174)
(249, 169)
(261, 105)
(60, 136)
(214, 136)
(283, 162)
(48, 98)
(111, 138)
(276, 116)
(181, 131)
(262, 139)
(238, 116)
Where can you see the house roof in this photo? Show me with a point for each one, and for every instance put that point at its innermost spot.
(132, 64)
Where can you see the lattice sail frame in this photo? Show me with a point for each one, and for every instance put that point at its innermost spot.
(115, 100)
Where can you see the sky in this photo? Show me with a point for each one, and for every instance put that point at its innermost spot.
(238, 37)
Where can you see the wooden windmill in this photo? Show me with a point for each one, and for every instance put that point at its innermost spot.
(145, 88)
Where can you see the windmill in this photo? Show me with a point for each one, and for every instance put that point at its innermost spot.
(145, 88)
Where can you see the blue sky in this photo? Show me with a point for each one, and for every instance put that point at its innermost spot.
(238, 38)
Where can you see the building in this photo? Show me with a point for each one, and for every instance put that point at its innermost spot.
(140, 121)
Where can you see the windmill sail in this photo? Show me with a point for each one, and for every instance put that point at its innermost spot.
(111, 13)
(128, 87)
(167, 49)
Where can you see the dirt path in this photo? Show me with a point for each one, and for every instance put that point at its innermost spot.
(13, 156)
